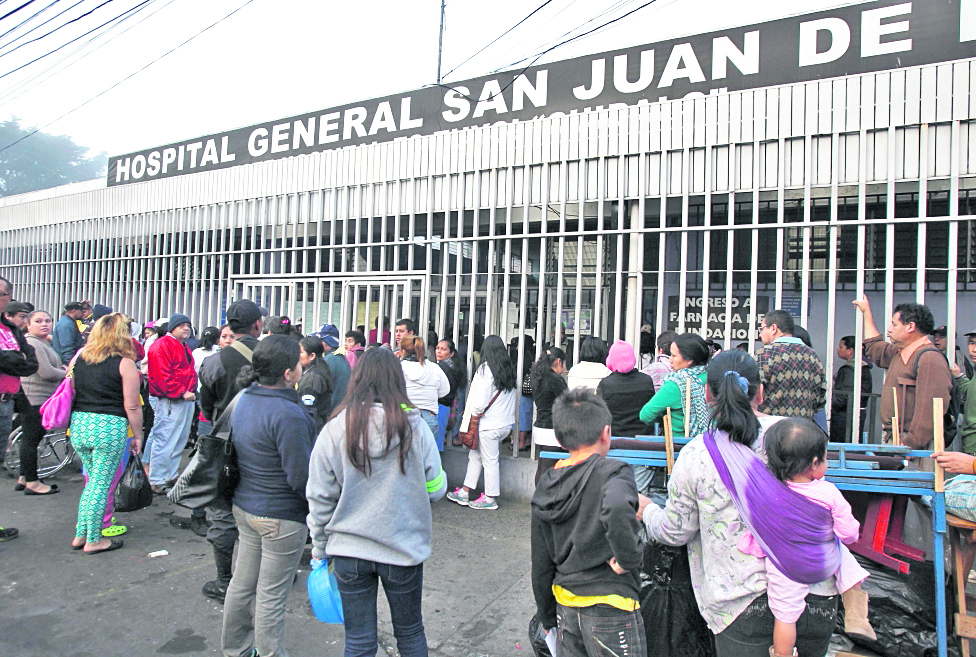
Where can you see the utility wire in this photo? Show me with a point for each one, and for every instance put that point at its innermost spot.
(14, 11)
(131, 75)
(37, 27)
(65, 45)
(534, 11)
(78, 18)
(8, 96)
(547, 50)
(546, 47)
(27, 20)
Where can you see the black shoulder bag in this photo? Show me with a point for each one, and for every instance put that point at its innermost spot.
(212, 473)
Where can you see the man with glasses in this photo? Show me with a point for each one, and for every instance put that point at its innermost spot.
(791, 373)
(17, 359)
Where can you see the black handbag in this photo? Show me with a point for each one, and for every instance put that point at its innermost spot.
(134, 491)
(212, 472)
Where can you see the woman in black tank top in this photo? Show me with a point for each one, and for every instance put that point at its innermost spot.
(106, 405)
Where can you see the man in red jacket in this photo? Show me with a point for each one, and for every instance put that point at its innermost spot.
(173, 381)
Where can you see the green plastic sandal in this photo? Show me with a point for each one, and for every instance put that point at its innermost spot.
(114, 530)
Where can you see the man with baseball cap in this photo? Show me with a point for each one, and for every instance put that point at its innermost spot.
(66, 338)
(218, 386)
(338, 365)
(173, 381)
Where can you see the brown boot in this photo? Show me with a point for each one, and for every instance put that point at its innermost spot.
(856, 620)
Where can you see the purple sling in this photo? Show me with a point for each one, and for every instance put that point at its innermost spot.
(796, 533)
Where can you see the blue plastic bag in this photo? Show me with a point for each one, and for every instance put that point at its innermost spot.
(323, 593)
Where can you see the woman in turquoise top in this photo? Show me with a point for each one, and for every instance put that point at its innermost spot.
(689, 354)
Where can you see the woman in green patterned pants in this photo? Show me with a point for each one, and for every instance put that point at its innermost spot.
(106, 404)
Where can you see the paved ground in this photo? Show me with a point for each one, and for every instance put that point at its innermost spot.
(61, 603)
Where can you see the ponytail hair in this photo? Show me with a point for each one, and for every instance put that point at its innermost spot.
(733, 380)
(413, 347)
(544, 364)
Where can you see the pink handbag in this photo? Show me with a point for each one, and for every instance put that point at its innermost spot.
(56, 411)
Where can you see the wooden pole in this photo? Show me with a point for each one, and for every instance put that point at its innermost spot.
(669, 440)
(938, 441)
(896, 422)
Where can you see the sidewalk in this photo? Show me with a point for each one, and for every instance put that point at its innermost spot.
(56, 602)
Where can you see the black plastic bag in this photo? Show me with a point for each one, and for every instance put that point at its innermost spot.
(537, 636)
(672, 622)
(902, 611)
(133, 492)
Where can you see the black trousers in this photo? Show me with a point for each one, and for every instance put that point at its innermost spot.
(33, 432)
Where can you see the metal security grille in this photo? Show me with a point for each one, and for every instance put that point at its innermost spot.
(696, 214)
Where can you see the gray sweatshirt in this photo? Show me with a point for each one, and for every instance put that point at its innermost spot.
(384, 517)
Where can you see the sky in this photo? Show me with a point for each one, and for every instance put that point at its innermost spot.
(277, 58)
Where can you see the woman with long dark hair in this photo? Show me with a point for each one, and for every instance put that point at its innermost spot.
(374, 472)
(457, 377)
(273, 436)
(689, 353)
(207, 347)
(547, 384)
(493, 392)
(316, 386)
(731, 584)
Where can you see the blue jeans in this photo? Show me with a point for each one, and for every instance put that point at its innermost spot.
(148, 441)
(169, 435)
(430, 419)
(358, 581)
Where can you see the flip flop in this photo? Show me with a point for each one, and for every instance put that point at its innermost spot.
(19, 487)
(115, 545)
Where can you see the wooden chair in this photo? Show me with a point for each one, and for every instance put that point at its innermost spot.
(962, 540)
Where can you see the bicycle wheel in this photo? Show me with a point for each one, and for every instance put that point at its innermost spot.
(53, 453)
(11, 457)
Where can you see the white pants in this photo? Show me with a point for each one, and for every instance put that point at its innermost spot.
(487, 453)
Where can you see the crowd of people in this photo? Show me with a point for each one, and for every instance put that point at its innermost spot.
(338, 442)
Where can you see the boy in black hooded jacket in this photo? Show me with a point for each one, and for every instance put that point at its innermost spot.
(586, 553)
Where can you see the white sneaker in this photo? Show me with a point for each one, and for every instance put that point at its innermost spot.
(484, 503)
(459, 496)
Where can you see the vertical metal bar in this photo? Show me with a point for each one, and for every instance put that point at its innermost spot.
(923, 173)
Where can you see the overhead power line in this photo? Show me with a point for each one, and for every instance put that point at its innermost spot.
(128, 77)
(550, 49)
(531, 14)
(29, 19)
(14, 11)
(577, 36)
(37, 27)
(78, 18)
(65, 45)
(11, 94)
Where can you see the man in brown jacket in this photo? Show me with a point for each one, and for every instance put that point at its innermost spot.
(908, 349)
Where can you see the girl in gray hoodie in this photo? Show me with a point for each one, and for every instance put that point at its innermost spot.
(374, 471)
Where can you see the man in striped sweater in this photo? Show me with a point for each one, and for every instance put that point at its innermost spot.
(791, 373)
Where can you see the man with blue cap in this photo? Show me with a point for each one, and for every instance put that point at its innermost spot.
(173, 381)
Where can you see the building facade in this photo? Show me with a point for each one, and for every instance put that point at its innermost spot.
(695, 213)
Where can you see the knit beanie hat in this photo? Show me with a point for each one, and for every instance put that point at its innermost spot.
(176, 320)
(621, 357)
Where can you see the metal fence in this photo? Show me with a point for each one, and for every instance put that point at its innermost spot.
(695, 214)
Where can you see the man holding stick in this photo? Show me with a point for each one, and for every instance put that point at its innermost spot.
(917, 373)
